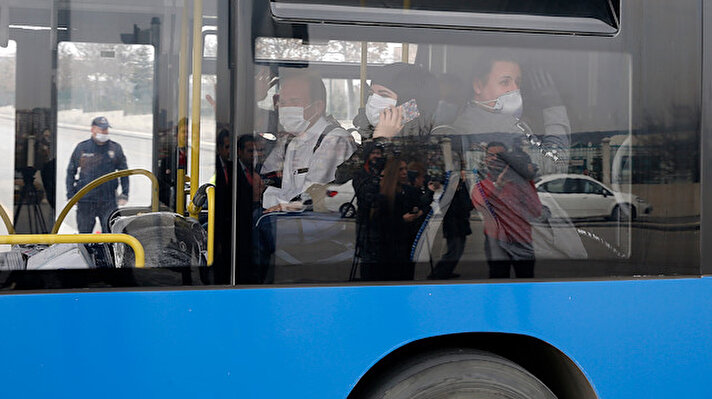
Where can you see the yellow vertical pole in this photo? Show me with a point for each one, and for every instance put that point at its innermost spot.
(405, 48)
(182, 111)
(211, 224)
(195, 107)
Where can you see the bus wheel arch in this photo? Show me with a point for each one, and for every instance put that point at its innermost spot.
(542, 360)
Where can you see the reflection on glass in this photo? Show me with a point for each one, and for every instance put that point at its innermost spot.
(566, 180)
(270, 48)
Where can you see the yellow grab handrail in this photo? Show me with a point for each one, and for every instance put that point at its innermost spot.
(139, 254)
(101, 180)
(6, 219)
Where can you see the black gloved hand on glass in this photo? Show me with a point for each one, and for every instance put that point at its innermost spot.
(543, 89)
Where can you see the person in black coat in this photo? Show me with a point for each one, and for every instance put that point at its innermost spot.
(456, 228)
(223, 205)
(249, 189)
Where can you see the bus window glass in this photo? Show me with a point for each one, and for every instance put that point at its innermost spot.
(332, 51)
(7, 125)
(111, 81)
(504, 163)
(210, 45)
(207, 126)
(95, 89)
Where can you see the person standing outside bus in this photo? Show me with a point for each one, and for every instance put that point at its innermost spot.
(93, 158)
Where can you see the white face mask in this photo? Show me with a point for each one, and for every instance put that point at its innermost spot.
(292, 119)
(375, 104)
(102, 138)
(508, 103)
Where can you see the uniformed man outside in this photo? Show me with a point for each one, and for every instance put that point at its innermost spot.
(93, 158)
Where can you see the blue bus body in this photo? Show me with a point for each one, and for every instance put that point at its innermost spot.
(631, 339)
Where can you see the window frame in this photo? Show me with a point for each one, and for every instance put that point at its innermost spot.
(305, 12)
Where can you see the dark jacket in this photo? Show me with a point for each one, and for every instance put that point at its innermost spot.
(94, 161)
(223, 221)
(456, 222)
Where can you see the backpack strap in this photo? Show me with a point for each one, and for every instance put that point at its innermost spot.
(323, 134)
(329, 128)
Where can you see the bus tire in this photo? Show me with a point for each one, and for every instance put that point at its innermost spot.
(460, 373)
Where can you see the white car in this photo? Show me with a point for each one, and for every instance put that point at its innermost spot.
(580, 196)
(340, 198)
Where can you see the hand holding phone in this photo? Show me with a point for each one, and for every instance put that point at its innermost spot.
(410, 110)
(390, 122)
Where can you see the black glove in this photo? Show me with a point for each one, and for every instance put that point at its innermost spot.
(543, 89)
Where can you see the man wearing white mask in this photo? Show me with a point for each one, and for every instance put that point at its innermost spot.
(313, 145)
(495, 113)
(94, 158)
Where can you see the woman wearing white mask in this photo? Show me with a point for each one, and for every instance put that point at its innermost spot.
(496, 114)
(496, 109)
(391, 87)
(382, 117)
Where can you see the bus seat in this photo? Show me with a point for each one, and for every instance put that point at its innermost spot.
(13, 260)
(168, 239)
(131, 211)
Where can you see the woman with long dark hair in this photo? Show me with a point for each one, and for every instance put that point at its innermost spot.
(392, 225)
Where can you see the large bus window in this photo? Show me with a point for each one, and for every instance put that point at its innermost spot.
(106, 89)
(473, 162)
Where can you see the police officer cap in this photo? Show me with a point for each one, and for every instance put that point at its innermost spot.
(101, 122)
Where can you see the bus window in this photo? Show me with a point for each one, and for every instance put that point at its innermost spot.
(105, 89)
(496, 125)
(114, 81)
(7, 124)
(210, 45)
(330, 51)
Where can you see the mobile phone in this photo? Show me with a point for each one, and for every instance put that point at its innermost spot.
(410, 110)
